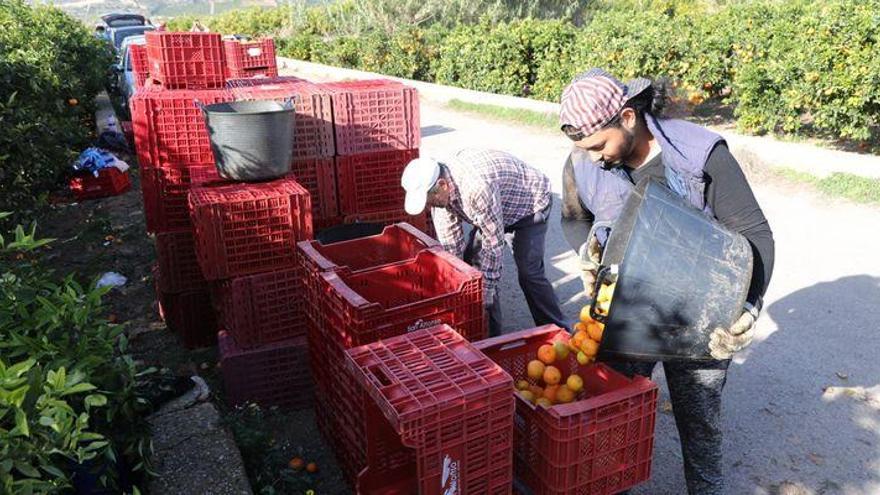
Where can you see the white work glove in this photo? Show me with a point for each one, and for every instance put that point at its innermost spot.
(724, 342)
(590, 255)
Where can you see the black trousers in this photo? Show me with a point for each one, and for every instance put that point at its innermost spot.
(529, 235)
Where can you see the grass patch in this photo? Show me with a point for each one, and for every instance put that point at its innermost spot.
(547, 121)
(841, 185)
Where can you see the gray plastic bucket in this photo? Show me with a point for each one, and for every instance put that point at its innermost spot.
(251, 140)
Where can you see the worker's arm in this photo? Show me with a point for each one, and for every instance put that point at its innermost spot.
(735, 206)
(447, 225)
(576, 219)
(488, 217)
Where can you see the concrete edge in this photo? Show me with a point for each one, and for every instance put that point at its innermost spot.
(752, 151)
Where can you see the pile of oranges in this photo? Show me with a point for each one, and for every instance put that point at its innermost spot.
(542, 370)
(585, 342)
(587, 336)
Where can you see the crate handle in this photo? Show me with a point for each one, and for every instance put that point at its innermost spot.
(378, 372)
(513, 345)
(612, 409)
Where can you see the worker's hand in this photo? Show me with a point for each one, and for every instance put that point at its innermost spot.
(590, 256)
(724, 342)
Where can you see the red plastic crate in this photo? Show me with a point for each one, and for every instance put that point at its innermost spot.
(246, 82)
(140, 65)
(313, 134)
(318, 176)
(166, 191)
(376, 115)
(186, 60)
(396, 243)
(109, 182)
(272, 375)
(141, 128)
(247, 228)
(600, 444)
(263, 308)
(439, 416)
(177, 264)
(434, 288)
(340, 404)
(370, 182)
(169, 127)
(389, 217)
(191, 315)
(244, 56)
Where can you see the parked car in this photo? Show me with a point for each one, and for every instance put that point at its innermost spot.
(119, 34)
(123, 71)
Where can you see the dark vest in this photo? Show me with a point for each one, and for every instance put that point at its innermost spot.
(685, 149)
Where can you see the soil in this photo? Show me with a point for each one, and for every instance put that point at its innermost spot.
(109, 234)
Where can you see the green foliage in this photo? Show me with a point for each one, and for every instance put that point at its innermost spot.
(51, 68)
(69, 393)
(546, 121)
(796, 66)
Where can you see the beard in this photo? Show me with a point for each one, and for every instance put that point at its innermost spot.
(629, 138)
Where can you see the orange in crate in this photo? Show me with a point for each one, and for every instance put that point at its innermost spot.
(600, 443)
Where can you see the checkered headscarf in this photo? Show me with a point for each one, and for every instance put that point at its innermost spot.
(594, 98)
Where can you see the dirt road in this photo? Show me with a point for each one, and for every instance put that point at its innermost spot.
(819, 329)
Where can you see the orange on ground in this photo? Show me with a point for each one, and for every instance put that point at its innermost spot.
(296, 463)
(547, 354)
(575, 383)
(590, 347)
(564, 395)
(535, 369)
(552, 375)
(312, 467)
(561, 350)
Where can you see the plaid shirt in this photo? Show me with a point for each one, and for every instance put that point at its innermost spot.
(491, 190)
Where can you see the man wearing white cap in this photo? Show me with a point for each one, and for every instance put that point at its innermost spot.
(621, 139)
(496, 193)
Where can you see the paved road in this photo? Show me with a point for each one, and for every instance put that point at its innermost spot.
(821, 320)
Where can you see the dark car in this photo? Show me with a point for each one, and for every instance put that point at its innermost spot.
(123, 20)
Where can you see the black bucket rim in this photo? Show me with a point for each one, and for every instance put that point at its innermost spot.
(207, 109)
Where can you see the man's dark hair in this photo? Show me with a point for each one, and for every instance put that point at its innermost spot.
(652, 100)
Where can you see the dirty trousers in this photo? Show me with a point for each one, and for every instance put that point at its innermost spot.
(695, 390)
(528, 251)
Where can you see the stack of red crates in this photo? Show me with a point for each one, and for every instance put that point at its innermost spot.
(371, 288)
(246, 235)
(174, 155)
(439, 415)
(186, 60)
(602, 443)
(376, 128)
(246, 59)
(313, 147)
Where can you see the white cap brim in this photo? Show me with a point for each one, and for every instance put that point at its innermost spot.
(415, 202)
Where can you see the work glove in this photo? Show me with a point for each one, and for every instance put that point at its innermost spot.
(590, 255)
(724, 342)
